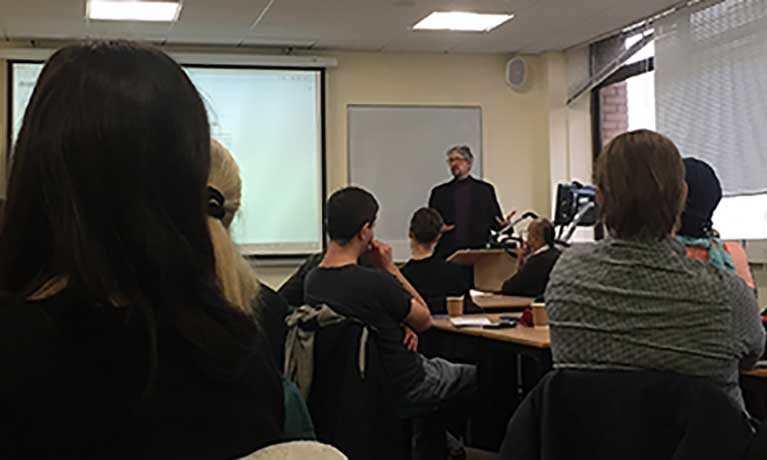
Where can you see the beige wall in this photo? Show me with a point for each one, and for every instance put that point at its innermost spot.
(515, 125)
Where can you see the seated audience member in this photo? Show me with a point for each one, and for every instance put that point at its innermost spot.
(535, 261)
(696, 232)
(383, 299)
(292, 290)
(634, 300)
(116, 341)
(433, 277)
(236, 277)
(239, 284)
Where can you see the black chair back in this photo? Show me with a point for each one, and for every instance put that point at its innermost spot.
(352, 411)
(630, 415)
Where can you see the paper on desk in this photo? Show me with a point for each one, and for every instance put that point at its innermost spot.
(470, 322)
(475, 293)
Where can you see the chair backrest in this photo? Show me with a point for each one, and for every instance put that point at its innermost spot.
(351, 410)
(758, 448)
(630, 415)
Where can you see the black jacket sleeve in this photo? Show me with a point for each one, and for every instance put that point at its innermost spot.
(270, 311)
(525, 282)
(292, 290)
(532, 279)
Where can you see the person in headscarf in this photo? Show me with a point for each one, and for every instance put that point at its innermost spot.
(696, 232)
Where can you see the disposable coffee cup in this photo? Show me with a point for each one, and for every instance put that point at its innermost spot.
(540, 318)
(454, 306)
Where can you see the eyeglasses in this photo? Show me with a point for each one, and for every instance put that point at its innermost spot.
(456, 160)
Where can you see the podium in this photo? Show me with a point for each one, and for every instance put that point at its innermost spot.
(491, 267)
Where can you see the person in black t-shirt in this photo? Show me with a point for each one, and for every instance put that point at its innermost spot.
(535, 262)
(433, 277)
(386, 301)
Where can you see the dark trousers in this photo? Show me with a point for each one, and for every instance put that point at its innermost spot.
(439, 404)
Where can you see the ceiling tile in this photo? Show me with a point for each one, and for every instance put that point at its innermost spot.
(127, 30)
(43, 8)
(55, 28)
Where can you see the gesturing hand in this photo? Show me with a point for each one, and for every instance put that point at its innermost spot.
(506, 220)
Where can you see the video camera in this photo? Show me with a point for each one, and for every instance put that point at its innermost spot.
(573, 198)
(576, 206)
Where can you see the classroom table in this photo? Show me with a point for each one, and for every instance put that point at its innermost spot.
(510, 363)
(530, 342)
(536, 338)
(759, 372)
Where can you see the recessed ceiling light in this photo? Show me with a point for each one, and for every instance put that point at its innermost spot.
(116, 10)
(461, 20)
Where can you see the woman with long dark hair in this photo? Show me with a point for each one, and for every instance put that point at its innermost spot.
(116, 340)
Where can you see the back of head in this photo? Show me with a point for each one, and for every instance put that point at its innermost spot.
(640, 178)
(347, 211)
(542, 230)
(108, 185)
(426, 225)
(704, 192)
(237, 280)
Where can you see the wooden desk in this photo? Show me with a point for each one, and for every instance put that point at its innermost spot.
(536, 337)
(760, 373)
(510, 362)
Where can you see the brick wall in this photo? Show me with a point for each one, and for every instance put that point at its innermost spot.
(614, 111)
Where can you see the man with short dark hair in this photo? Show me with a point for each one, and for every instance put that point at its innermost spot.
(468, 206)
(433, 277)
(383, 299)
(535, 261)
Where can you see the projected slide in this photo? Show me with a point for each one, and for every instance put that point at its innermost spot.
(271, 122)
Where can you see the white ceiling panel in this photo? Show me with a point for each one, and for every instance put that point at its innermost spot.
(148, 31)
(539, 25)
(57, 28)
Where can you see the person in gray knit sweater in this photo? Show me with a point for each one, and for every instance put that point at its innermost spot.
(634, 300)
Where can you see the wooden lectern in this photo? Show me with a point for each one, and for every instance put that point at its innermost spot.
(491, 267)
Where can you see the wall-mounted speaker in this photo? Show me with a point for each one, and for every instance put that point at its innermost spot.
(517, 73)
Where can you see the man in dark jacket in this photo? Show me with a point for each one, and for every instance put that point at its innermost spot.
(468, 206)
(535, 261)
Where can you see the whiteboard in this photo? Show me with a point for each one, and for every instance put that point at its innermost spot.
(399, 153)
